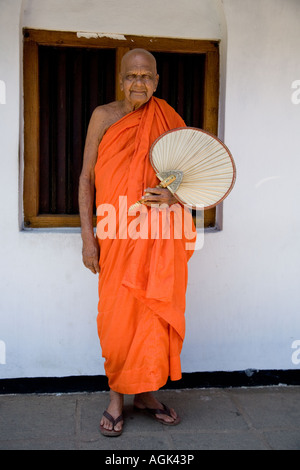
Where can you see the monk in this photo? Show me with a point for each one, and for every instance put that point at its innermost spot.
(142, 279)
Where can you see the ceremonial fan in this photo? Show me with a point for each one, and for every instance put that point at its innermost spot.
(194, 165)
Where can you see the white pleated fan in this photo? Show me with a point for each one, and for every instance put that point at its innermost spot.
(194, 165)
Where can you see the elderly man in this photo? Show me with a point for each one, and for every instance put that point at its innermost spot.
(142, 283)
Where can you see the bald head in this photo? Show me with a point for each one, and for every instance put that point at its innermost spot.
(135, 54)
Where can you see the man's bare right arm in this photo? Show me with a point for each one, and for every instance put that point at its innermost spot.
(90, 247)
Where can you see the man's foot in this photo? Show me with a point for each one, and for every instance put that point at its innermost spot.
(146, 401)
(111, 423)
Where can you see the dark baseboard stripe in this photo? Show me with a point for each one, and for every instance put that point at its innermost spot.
(247, 378)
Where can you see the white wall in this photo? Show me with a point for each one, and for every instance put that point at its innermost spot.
(155, 18)
(244, 287)
(243, 295)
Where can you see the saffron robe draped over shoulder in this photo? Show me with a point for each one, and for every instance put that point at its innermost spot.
(143, 279)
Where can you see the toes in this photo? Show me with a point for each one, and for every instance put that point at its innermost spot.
(106, 424)
(118, 426)
(173, 414)
(167, 419)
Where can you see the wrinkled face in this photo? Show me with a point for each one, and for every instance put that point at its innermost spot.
(138, 78)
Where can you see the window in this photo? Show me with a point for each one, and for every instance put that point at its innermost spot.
(66, 77)
(73, 81)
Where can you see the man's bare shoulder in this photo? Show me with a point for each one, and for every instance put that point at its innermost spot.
(105, 115)
(108, 108)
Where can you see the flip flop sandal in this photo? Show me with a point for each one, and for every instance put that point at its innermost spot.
(111, 432)
(165, 411)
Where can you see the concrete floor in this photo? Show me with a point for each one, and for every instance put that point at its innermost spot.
(214, 419)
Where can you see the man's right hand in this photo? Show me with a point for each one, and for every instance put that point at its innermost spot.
(90, 255)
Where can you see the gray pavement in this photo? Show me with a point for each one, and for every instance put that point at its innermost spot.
(262, 418)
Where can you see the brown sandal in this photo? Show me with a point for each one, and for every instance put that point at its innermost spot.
(165, 411)
(111, 432)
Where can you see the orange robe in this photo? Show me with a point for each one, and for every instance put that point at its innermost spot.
(143, 280)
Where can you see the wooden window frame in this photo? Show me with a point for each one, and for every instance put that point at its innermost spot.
(34, 38)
